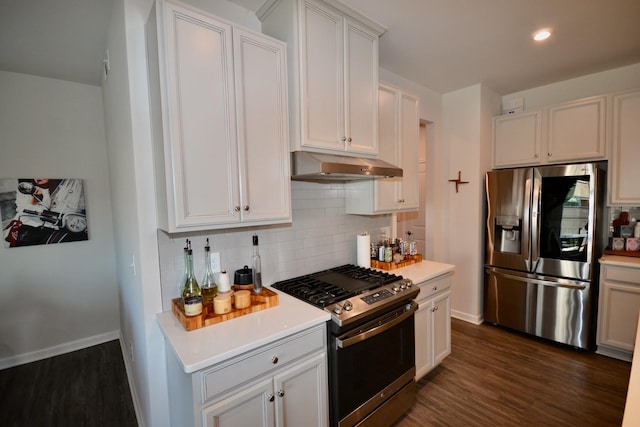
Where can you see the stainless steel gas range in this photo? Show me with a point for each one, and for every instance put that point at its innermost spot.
(371, 342)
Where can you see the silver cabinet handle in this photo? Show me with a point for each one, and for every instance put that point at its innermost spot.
(349, 139)
(274, 359)
(236, 208)
(281, 393)
(246, 208)
(271, 397)
(344, 138)
(435, 288)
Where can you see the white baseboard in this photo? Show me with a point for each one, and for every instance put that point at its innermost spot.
(132, 385)
(475, 319)
(45, 353)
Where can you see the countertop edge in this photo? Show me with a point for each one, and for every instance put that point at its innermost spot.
(424, 271)
(241, 335)
(622, 261)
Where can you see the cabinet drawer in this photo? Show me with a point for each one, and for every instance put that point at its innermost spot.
(630, 275)
(243, 368)
(433, 286)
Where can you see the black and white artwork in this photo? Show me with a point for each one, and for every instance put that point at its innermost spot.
(40, 211)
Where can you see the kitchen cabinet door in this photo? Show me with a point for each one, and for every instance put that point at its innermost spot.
(424, 345)
(619, 304)
(577, 131)
(624, 170)
(219, 116)
(361, 89)
(399, 131)
(333, 71)
(517, 139)
(263, 140)
(301, 394)
(253, 406)
(441, 309)
(433, 324)
(199, 165)
(322, 79)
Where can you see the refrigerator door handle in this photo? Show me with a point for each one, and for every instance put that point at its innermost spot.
(527, 219)
(560, 283)
(535, 220)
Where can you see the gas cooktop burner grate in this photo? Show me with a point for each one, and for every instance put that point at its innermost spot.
(336, 284)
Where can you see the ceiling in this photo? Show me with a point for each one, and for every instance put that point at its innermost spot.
(441, 44)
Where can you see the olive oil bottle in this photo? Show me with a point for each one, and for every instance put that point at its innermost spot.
(209, 288)
(191, 294)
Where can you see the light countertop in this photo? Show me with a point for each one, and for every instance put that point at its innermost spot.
(423, 271)
(212, 344)
(632, 409)
(623, 261)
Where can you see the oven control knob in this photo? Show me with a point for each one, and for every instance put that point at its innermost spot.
(395, 288)
(409, 283)
(403, 286)
(347, 306)
(337, 310)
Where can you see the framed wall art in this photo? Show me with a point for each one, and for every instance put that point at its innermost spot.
(39, 211)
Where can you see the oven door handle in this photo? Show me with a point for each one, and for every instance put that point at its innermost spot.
(377, 328)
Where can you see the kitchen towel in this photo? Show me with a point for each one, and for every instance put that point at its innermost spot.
(364, 250)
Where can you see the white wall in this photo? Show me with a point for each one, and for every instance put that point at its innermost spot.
(614, 80)
(56, 298)
(467, 136)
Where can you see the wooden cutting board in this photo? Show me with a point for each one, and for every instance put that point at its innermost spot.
(265, 299)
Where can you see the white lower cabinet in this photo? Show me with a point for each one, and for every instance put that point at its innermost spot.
(433, 324)
(618, 308)
(280, 384)
(293, 397)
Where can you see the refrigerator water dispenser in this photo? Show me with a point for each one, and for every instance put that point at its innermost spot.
(507, 234)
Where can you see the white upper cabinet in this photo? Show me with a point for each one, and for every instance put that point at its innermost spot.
(577, 131)
(517, 139)
(399, 129)
(624, 168)
(219, 111)
(333, 72)
(564, 133)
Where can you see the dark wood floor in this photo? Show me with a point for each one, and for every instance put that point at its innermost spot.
(87, 387)
(495, 377)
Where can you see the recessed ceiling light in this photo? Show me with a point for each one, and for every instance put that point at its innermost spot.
(541, 35)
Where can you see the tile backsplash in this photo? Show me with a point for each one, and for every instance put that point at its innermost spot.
(321, 236)
(614, 213)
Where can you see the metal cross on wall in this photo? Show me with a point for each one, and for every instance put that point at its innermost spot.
(458, 181)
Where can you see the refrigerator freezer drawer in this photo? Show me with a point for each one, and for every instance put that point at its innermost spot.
(558, 310)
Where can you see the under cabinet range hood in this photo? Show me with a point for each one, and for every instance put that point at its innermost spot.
(308, 166)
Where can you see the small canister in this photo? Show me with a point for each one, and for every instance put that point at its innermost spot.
(243, 278)
(222, 303)
(242, 298)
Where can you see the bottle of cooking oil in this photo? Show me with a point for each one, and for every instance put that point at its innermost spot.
(208, 286)
(191, 294)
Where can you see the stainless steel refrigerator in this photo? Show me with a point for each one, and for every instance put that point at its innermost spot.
(545, 232)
